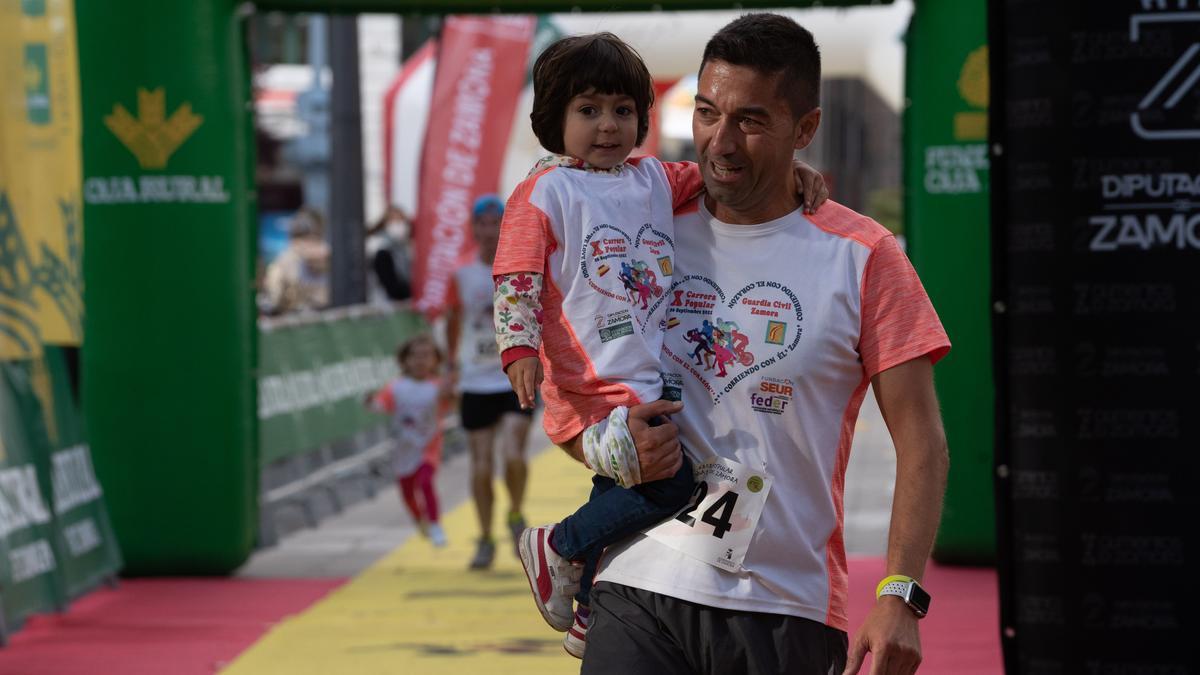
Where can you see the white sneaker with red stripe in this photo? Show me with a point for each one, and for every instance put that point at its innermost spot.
(553, 579)
(575, 641)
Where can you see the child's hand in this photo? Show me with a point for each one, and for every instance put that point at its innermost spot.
(525, 376)
(812, 186)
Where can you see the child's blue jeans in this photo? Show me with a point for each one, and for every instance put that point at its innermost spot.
(613, 513)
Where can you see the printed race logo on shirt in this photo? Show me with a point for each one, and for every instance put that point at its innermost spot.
(721, 341)
(632, 271)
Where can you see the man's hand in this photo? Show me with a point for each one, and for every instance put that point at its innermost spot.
(812, 186)
(448, 385)
(659, 452)
(525, 376)
(890, 634)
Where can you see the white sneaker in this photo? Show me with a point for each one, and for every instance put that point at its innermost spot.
(437, 535)
(575, 641)
(553, 579)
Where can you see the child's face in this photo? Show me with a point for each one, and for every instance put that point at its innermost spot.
(421, 362)
(600, 129)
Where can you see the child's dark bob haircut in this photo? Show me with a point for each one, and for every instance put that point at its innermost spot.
(571, 67)
(408, 345)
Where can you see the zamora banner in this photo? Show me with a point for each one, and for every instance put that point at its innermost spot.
(314, 373)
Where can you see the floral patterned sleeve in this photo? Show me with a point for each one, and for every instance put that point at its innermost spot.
(517, 309)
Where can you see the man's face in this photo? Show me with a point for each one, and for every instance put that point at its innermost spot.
(486, 229)
(745, 133)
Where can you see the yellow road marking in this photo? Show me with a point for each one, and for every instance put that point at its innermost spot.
(418, 610)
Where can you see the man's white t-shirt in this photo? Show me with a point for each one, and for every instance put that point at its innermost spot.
(479, 367)
(799, 313)
(604, 244)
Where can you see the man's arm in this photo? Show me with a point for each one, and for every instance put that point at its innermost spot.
(910, 409)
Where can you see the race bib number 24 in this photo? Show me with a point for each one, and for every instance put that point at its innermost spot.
(718, 523)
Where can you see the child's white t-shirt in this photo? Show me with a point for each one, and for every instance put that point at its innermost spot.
(605, 245)
(415, 422)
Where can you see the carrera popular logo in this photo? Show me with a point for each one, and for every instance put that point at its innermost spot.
(627, 268)
(722, 340)
(153, 137)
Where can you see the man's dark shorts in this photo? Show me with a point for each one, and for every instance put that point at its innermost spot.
(480, 411)
(636, 632)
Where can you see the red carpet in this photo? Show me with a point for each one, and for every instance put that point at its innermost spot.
(961, 635)
(158, 626)
(196, 626)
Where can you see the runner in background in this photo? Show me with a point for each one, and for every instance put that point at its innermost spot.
(490, 413)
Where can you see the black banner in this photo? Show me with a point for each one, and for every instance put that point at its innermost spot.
(1096, 248)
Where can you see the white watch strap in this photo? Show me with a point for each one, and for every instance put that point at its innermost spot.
(899, 588)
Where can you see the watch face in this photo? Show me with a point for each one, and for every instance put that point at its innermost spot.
(918, 599)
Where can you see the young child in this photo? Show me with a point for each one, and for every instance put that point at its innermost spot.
(415, 401)
(583, 271)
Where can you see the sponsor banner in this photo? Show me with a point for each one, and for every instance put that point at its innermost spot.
(947, 176)
(315, 375)
(169, 201)
(56, 541)
(480, 72)
(405, 117)
(40, 211)
(30, 559)
(1097, 292)
(88, 548)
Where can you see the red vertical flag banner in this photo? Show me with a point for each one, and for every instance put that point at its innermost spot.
(480, 72)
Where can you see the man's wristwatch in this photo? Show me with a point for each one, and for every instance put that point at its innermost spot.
(907, 588)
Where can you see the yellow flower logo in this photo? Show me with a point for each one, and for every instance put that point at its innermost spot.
(973, 80)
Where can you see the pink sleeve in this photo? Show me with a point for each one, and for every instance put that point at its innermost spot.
(898, 320)
(685, 181)
(525, 236)
(385, 399)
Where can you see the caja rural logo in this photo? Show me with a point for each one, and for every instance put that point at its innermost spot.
(153, 137)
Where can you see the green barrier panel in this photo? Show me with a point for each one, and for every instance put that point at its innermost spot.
(314, 373)
(169, 359)
(89, 550)
(56, 542)
(29, 571)
(946, 222)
